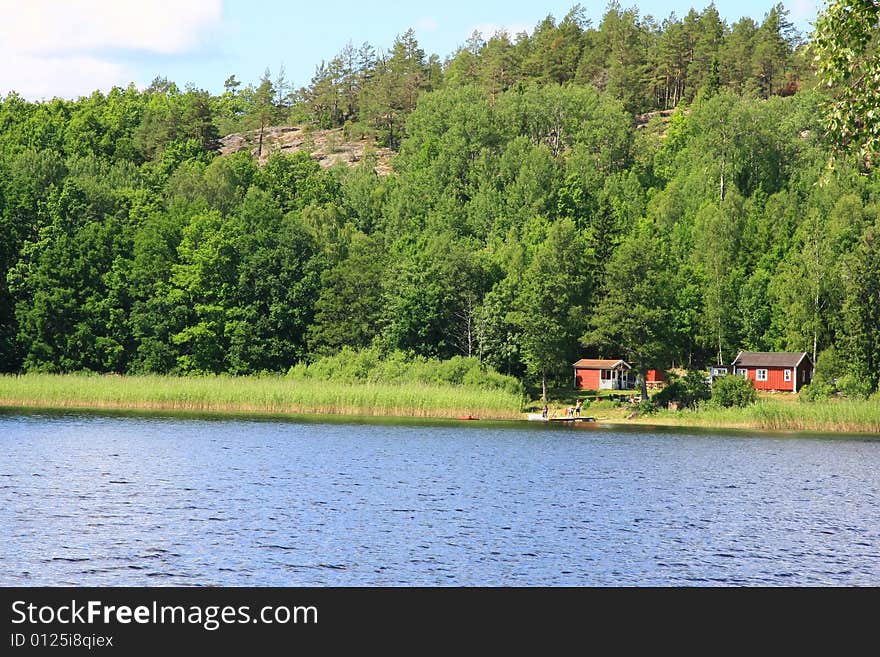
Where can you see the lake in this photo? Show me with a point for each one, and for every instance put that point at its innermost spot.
(95, 500)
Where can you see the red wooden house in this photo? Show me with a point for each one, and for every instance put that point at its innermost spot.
(785, 371)
(655, 378)
(601, 374)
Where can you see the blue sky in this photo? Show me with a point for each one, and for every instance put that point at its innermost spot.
(69, 48)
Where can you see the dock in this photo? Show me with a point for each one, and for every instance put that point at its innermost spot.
(537, 417)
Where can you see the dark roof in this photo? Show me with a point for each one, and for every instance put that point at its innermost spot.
(770, 358)
(600, 364)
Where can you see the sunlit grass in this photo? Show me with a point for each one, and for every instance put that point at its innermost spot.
(268, 394)
(848, 416)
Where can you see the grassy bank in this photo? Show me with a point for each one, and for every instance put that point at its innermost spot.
(773, 412)
(277, 395)
(846, 416)
(268, 394)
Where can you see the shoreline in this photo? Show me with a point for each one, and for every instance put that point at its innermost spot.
(746, 426)
(255, 411)
(263, 395)
(756, 419)
(279, 396)
(450, 418)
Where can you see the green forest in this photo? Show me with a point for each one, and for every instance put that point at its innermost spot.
(665, 191)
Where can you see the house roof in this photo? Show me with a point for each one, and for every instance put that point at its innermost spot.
(769, 358)
(600, 364)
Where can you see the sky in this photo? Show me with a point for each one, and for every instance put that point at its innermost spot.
(70, 48)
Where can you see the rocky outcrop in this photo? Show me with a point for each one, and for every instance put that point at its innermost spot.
(328, 147)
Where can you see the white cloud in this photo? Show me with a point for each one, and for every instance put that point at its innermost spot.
(426, 24)
(58, 47)
(50, 26)
(64, 77)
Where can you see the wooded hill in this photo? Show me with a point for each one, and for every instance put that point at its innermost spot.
(527, 220)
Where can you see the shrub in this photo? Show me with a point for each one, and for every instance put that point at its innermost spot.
(730, 391)
(372, 366)
(829, 367)
(672, 391)
(455, 369)
(695, 388)
(688, 390)
(832, 377)
(492, 380)
(817, 390)
(299, 371)
(347, 365)
(854, 386)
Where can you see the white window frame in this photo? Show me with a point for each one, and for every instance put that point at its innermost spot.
(742, 371)
(761, 374)
(787, 375)
(718, 371)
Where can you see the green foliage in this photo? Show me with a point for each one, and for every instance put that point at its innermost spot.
(374, 366)
(639, 62)
(688, 391)
(845, 50)
(296, 181)
(861, 310)
(855, 386)
(548, 309)
(533, 214)
(630, 317)
(349, 307)
(817, 391)
(830, 365)
(733, 391)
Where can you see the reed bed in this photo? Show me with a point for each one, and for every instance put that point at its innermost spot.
(263, 394)
(844, 416)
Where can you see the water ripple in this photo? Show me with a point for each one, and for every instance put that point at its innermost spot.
(88, 500)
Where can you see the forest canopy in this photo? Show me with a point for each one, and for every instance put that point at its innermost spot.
(652, 190)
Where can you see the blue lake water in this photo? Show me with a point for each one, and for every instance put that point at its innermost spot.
(94, 501)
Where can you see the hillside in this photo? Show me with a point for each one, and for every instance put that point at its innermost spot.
(327, 146)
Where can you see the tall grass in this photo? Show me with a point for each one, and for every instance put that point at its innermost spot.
(265, 394)
(832, 415)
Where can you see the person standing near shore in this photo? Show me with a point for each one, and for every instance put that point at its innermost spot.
(577, 408)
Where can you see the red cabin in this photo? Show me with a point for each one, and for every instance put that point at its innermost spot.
(783, 371)
(601, 374)
(655, 378)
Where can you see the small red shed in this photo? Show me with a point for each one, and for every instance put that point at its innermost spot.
(784, 371)
(655, 378)
(601, 374)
